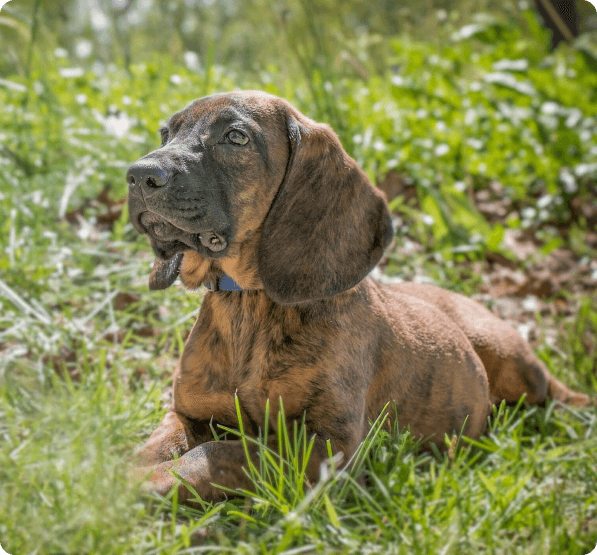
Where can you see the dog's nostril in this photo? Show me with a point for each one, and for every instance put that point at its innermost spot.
(148, 175)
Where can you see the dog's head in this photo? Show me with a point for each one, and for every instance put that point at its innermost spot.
(244, 184)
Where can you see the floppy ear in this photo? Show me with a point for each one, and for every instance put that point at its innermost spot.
(327, 227)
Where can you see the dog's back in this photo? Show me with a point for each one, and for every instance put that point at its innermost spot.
(512, 367)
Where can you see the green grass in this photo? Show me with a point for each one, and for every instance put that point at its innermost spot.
(86, 351)
(528, 487)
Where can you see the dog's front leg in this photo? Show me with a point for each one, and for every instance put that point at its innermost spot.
(216, 462)
(175, 435)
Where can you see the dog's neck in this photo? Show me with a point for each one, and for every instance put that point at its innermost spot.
(237, 271)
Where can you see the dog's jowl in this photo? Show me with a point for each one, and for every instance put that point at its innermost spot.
(257, 202)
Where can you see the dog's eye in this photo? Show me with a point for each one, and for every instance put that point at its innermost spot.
(237, 137)
(165, 134)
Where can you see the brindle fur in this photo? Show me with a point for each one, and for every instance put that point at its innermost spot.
(303, 227)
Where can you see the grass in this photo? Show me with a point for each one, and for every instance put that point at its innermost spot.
(528, 487)
(86, 352)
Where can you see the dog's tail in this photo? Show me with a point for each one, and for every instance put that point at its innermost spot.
(559, 392)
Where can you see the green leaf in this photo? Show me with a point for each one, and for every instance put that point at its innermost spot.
(332, 514)
(495, 238)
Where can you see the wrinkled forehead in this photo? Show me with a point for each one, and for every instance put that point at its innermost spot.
(247, 107)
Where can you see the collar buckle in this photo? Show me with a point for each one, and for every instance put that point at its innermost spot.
(223, 283)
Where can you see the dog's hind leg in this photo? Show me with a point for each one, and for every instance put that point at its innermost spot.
(520, 372)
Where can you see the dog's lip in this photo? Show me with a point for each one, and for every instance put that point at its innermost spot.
(167, 250)
(161, 230)
(156, 225)
(167, 239)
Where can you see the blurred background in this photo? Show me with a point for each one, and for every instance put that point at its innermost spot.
(477, 119)
(444, 96)
(256, 35)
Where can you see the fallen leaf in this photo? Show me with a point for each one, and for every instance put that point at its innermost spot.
(122, 300)
(395, 184)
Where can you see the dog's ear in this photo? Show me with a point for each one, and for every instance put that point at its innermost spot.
(327, 227)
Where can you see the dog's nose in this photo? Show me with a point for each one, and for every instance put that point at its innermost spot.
(147, 174)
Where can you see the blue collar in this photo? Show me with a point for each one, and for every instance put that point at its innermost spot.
(224, 283)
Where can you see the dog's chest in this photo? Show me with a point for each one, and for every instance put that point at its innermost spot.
(255, 350)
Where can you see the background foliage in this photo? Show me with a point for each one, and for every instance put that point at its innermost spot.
(484, 141)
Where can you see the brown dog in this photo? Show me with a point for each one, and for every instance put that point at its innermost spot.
(245, 186)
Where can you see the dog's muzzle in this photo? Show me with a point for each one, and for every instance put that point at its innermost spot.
(163, 216)
(151, 214)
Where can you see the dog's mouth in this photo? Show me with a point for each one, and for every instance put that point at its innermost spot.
(169, 243)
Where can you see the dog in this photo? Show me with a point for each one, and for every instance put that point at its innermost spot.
(261, 204)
